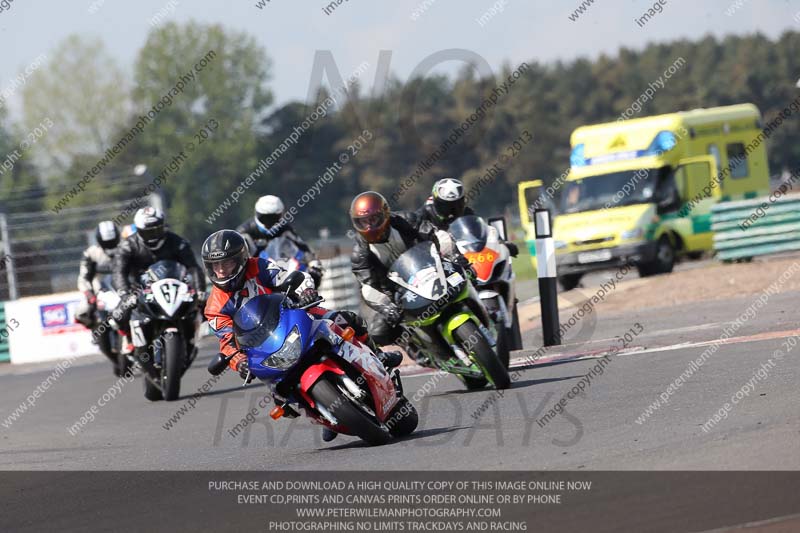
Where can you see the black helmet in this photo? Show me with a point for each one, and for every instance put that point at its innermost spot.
(149, 222)
(227, 249)
(448, 199)
(107, 235)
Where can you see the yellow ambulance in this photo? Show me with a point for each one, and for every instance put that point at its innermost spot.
(640, 191)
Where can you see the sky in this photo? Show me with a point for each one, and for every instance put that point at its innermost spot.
(292, 31)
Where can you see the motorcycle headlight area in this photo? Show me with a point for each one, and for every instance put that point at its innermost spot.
(288, 354)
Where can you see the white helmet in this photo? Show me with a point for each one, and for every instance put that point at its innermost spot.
(269, 210)
(149, 222)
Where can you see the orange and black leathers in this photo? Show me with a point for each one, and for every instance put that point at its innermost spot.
(261, 277)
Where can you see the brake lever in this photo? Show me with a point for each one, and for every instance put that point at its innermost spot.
(312, 304)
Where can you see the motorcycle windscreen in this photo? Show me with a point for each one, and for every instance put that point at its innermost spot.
(470, 233)
(425, 281)
(166, 269)
(283, 251)
(254, 324)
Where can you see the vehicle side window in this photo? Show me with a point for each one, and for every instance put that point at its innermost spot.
(737, 160)
(714, 150)
(672, 179)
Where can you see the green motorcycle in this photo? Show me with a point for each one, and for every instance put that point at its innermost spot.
(444, 318)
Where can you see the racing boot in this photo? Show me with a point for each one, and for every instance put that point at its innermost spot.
(390, 359)
(328, 434)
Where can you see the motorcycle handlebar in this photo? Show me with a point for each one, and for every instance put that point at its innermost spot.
(218, 364)
(309, 305)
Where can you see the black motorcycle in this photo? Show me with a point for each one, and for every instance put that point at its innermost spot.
(167, 322)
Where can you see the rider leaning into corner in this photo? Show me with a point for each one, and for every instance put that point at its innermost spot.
(382, 237)
(96, 261)
(269, 223)
(150, 243)
(447, 203)
(236, 278)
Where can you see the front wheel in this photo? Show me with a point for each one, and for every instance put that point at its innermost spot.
(404, 419)
(354, 418)
(472, 341)
(663, 262)
(504, 340)
(172, 359)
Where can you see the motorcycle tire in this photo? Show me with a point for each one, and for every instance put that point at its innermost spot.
(503, 339)
(473, 342)
(106, 345)
(172, 365)
(151, 390)
(359, 423)
(504, 346)
(514, 332)
(404, 418)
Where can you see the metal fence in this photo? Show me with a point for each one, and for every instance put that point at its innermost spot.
(339, 287)
(756, 227)
(42, 249)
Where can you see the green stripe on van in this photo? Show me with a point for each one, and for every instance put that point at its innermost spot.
(701, 223)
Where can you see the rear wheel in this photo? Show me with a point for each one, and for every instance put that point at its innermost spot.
(172, 359)
(474, 343)
(328, 393)
(404, 418)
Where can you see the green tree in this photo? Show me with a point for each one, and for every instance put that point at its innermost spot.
(229, 91)
(82, 91)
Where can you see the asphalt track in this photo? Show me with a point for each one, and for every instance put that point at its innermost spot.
(598, 430)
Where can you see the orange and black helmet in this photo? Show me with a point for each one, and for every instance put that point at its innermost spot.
(369, 214)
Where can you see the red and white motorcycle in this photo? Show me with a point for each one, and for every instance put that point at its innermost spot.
(483, 245)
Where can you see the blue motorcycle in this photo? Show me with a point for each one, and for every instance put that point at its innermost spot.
(320, 368)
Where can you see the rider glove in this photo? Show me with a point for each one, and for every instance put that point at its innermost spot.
(243, 368)
(392, 314)
(307, 297)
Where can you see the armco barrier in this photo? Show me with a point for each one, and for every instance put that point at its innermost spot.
(339, 287)
(5, 353)
(776, 230)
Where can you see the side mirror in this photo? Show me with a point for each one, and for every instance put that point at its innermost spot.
(218, 365)
(499, 223)
(292, 281)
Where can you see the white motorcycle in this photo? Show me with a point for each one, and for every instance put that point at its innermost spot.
(109, 341)
(483, 245)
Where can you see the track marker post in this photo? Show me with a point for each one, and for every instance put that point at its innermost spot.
(548, 291)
